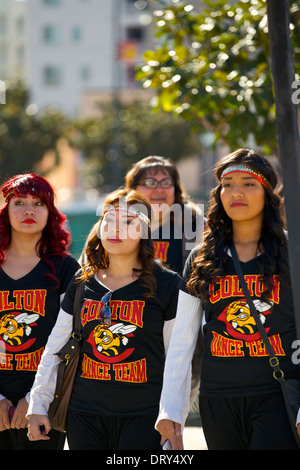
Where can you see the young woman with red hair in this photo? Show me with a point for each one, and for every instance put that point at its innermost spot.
(35, 270)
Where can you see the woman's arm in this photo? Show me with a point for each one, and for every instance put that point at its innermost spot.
(42, 392)
(174, 402)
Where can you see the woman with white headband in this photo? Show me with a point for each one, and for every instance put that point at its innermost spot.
(241, 404)
(128, 308)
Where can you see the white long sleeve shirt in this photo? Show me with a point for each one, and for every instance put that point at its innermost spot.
(43, 389)
(174, 402)
(176, 390)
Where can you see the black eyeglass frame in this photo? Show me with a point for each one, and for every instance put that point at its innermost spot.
(157, 183)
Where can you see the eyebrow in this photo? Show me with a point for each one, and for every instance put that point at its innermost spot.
(23, 196)
(153, 178)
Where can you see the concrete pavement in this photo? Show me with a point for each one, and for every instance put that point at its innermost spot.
(193, 438)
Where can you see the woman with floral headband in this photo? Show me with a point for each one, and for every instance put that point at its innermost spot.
(127, 312)
(241, 403)
(176, 227)
(35, 271)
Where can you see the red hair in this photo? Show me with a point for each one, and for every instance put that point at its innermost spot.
(55, 239)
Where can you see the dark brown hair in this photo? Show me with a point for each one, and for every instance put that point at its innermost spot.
(211, 259)
(97, 256)
(135, 175)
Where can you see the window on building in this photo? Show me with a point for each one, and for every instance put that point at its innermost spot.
(52, 75)
(85, 73)
(2, 24)
(76, 33)
(20, 25)
(52, 3)
(20, 55)
(52, 35)
(135, 33)
(3, 55)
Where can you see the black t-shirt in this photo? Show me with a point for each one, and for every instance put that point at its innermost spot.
(29, 308)
(168, 248)
(235, 361)
(121, 366)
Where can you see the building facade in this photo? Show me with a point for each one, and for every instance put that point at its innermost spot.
(84, 46)
(14, 40)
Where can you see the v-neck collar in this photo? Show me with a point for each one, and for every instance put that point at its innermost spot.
(245, 262)
(97, 280)
(22, 277)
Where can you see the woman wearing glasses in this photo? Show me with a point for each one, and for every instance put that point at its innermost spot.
(128, 309)
(177, 224)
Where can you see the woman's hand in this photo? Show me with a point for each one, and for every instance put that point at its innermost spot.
(34, 427)
(174, 443)
(19, 420)
(170, 431)
(5, 405)
(168, 428)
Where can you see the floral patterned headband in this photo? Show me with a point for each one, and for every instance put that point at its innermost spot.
(132, 211)
(250, 171)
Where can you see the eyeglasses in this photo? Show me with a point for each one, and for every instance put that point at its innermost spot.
(152, 183)
(105, 312)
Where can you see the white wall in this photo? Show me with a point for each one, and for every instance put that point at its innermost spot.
(93, 50)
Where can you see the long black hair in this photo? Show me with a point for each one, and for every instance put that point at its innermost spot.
(211, 259)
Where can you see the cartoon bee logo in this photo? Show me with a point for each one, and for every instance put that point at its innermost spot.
(109, 340)
(15, 329)
(240, 322)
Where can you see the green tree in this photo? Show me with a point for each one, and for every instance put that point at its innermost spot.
(212, 67)
(124, 134)
(25, 136)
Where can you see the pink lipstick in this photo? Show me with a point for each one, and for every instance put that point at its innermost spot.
(238, 204)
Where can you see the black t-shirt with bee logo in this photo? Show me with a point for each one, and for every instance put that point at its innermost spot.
(121, 366)
(235, 361)
(28, 311)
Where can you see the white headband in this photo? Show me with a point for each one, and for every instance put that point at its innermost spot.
(132, 211)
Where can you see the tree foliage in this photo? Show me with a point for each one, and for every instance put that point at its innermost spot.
(124, 134)
(110, 143)
(24, 136)
(213, 68)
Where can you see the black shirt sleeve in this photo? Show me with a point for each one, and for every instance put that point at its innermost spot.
(187, 269)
